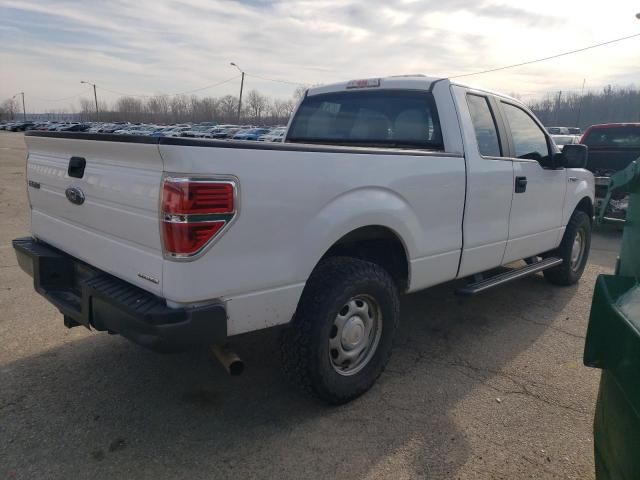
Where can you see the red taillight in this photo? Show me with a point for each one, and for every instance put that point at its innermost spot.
(188, 238)
(193, 212)
(197, 197)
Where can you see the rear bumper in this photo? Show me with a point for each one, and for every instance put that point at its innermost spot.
(95, 299)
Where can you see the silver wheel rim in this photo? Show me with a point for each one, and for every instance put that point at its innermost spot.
(355, 335)
(577, 251)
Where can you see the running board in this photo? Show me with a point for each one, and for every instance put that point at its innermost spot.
(487, 283)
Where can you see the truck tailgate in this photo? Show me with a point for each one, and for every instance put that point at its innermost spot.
(115, 228)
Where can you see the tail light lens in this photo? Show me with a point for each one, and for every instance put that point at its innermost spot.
(194, 211)
(184, 198)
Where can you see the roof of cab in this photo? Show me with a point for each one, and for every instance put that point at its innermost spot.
(408, 82)
(412, 82)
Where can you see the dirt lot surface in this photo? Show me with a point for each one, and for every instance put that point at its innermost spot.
(482, 388)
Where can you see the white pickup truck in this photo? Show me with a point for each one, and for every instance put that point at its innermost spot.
(382, 187)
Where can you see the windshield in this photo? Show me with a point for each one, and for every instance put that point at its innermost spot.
(383, 118)
(618, 137)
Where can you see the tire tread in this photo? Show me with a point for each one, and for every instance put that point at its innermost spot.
(331, 276)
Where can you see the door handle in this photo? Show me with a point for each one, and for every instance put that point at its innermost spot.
(573, 179)
(521, 184)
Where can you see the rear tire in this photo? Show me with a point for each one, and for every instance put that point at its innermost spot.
(341, 337)
(573, 250)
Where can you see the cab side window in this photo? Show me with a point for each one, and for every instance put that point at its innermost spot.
(484, 126)
(529, 141)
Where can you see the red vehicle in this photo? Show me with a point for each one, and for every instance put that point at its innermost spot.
(612, 147)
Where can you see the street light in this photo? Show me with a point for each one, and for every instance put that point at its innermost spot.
(95, 97)
(241, 87)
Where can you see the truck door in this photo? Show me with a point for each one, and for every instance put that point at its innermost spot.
(489, 182)
(535, 222)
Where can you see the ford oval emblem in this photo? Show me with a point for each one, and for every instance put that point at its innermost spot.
(74, 195)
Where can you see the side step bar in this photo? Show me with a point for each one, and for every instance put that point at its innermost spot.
(501, 278)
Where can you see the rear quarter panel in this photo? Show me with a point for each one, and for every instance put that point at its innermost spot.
(295, 204)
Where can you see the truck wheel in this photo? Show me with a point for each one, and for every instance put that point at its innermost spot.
(574, 250)
(341, 336)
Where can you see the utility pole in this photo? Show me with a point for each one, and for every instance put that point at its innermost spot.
(580, 104)
(558, 108)
(95, 97)
(24, 110)
(241, 87)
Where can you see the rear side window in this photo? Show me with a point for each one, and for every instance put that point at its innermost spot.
(529, 140)
(383, 118)
(484, 125)
(616, 137)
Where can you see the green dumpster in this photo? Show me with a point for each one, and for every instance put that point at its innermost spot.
(613, 345)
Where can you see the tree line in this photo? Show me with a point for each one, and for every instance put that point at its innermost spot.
(256, 108)
(611, 104)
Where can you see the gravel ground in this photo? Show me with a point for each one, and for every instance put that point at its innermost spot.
(490, 387)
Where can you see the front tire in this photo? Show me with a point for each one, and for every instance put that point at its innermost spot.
(341, 337)
(574, 251)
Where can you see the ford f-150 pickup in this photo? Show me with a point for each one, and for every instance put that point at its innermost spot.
(382, 186)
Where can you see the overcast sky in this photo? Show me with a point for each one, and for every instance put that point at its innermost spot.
(155, 46)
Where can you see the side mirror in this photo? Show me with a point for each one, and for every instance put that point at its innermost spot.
(574, 156)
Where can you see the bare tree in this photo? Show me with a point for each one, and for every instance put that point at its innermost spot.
(291, 106)
(87, 109)
(611, 104)
(279, 108)
(256, 105)
(130, 109)
(204, 109)
(158, 108)
(299, 92)
(228, 106)
(10, 107)
(180, 108)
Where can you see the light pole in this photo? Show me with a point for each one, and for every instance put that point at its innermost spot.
(241, 87)
(95, 97)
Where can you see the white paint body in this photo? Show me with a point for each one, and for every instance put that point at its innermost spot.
(455, 212)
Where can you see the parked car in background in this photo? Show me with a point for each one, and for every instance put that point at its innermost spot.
(250, 134)
(176, 131)
(275, 135)
(159, 131)
(225, 133)
(197, 131)
(562, 140)
(75, 127)
(131, 130)
(19, 126)
(574, 130)
(612, 147)
(558, 130)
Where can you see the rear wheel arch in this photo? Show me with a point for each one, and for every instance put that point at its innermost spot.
(376, 244)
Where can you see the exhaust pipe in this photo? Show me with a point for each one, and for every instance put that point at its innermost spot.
(228, 358)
